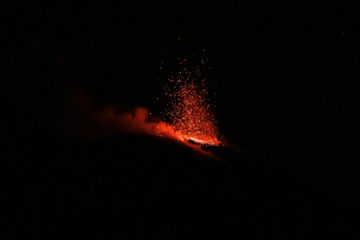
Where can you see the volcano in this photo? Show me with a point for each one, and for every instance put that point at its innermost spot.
(83, 157)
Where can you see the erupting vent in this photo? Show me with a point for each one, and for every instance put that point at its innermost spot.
(189, 111)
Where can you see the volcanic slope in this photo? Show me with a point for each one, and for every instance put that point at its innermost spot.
(130, 187)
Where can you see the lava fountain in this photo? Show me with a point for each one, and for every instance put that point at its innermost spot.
(189, 111)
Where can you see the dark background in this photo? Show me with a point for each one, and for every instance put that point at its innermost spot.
(284, 75)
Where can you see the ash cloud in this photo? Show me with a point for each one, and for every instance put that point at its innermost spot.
(84, 120)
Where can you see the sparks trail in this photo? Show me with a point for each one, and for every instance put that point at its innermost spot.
(189, 111)
(188, 114)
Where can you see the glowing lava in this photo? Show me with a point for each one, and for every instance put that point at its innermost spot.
(188, 114)
(189, 110)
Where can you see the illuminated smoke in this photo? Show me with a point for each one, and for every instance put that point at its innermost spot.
(188, 114)
(136, 122)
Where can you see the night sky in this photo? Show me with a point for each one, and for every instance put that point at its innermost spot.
(284, 77)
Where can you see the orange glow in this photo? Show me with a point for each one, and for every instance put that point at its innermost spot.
(189, 111)
(137, 122)
(189, 117)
